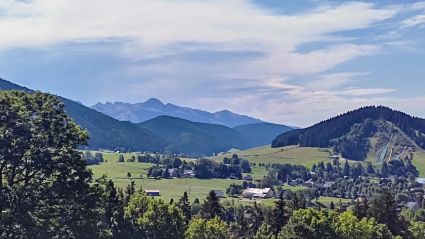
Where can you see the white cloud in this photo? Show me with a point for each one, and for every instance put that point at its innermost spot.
(155, 31)
(418, 20)
(332, 81)
(160, 22)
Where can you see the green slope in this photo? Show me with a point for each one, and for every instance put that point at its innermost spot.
(305, 156)
(261, 133)
(188, 137)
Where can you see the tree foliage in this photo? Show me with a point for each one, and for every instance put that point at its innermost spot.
(44, 183)
(207, 229)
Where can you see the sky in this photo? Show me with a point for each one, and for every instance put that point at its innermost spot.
(285, 61)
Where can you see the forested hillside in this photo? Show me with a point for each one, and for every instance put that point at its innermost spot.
(261, 133)
(350, 132)
(183, 136)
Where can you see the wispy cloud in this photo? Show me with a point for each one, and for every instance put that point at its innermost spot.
(217, 53)
(418, 20)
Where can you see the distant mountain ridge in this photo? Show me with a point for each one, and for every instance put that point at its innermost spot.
(356, 133)
(152, 108)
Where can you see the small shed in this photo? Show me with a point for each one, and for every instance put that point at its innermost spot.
(153, 193)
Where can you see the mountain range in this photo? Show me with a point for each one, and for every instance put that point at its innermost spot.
(165, 133)
(152, 108)
(374, 131)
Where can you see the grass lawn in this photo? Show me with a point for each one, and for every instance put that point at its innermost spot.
(292, 155)
(419, 162)
(328, 200)
(170, 188)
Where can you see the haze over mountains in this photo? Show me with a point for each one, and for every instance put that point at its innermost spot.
(165, 133)
(153, 108)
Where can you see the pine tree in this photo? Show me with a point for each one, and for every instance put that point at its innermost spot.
(384, 170)
(360, 209)
(370, 169)
(212, 207)
(114, 212)
(280, 217)
(332, 206)
(295, 202)
(129, 191)
(346, 171)
(186, 208)
(383, 208)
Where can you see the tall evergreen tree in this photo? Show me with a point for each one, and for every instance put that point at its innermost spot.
(129, 191)
(114, 212)
(370, 170)
(346, 171)
(280, 215)
(186, 208)
(360, 208)
(384, 170)
(212, 207)
(383, 208)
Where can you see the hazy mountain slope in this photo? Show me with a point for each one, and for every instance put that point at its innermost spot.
(188, 137)
(105, 132)
(152, 108)
(261, 133)
(350, 133)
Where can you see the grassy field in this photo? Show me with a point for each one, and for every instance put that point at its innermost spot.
(292, 155)
(170, 188)
(419, 162)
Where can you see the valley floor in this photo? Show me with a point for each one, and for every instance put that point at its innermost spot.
(199, 188)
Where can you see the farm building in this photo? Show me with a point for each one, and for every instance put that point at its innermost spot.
(188, 174)
(257, 193)
(153, 193)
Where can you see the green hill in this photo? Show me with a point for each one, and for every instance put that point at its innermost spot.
(105, 132)
(261, 133)
(183, 136)
(379, 131)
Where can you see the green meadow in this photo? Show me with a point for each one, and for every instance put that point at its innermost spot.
(305, 156)
(199, 188)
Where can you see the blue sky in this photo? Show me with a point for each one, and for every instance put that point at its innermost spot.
(293, 62)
